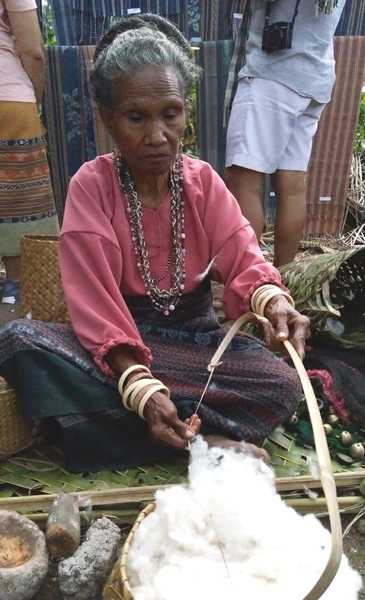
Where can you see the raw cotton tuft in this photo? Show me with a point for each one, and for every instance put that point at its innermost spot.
(227, 534)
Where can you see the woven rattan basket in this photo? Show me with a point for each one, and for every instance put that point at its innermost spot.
(117, 586)
(15, 434)
(42, 295)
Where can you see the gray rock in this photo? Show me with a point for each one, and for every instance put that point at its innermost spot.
(82, 576)
(24, 559)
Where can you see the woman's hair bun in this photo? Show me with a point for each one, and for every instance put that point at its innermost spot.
(143, 20)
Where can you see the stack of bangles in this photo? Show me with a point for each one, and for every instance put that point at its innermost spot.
(262, 296)
(136, 393)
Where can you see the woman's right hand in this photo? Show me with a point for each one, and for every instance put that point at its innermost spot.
(164, 424)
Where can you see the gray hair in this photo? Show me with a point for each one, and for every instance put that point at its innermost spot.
(133, 50)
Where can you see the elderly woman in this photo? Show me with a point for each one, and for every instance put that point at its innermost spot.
(145, 230)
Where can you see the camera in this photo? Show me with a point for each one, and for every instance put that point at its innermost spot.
(277, 36)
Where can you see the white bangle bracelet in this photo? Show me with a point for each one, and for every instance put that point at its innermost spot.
(261, 292)
(265, 301)
(133, 389)
(262, 296)
(146, 386)
(156, 388)
(127, 372)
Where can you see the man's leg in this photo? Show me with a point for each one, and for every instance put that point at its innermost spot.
(260, 126)
(290, 189)
(289, 183)
(247, 186)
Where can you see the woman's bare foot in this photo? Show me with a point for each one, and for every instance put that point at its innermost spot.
(222, 442)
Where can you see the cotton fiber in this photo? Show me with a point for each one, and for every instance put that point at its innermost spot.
(227, 534)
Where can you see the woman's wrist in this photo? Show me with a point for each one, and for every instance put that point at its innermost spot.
(136, 386)
(264, 294)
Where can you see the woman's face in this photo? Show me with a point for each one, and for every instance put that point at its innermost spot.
(148, 119)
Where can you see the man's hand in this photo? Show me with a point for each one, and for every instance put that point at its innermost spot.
(164, 424)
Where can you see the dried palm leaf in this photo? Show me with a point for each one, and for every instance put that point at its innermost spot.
(330, 289)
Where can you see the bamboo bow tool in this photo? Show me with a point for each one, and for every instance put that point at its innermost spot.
(320, 442)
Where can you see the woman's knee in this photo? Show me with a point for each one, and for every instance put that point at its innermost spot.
(11, 333)
(289, 392)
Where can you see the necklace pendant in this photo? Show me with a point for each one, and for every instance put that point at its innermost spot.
(166, 312)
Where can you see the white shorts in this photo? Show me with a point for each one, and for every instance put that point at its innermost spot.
(271, 127)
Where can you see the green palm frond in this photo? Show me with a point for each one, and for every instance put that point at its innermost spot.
(306, 278)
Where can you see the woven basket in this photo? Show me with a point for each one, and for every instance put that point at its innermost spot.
(117, 586)
(41, 286)
(15, 434)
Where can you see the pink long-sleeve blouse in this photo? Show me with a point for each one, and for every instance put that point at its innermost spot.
(98, 263)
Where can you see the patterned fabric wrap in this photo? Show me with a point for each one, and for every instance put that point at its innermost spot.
(84, 21)
(215, 58)
(70, 117)
(26, 198)
(251, 393)
(237, 61)
(352, 21)
(217, 18)
(330, 165)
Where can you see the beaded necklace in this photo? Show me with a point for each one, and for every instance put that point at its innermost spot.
(164, 301)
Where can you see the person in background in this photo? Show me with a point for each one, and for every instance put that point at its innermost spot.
(26, 199)
(282, 90)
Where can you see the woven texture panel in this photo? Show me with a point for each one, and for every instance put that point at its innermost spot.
(15, 433)
(330, 166)
(41, 286)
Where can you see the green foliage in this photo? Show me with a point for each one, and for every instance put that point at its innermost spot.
(359, 142)
(49, 35)
(191, 131)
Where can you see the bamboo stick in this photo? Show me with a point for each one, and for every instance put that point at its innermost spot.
(319, 505)
(351, 504)
(120, 496)
(133, 495)
(121, 516)
(343, 480)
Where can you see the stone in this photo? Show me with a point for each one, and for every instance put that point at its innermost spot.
(23, 557)
(82, 576)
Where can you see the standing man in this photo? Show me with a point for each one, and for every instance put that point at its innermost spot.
(283, 87)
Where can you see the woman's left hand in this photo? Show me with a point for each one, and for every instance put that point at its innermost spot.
(286, 323)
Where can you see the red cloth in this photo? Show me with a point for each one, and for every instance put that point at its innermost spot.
(97, 256)
(333, 396)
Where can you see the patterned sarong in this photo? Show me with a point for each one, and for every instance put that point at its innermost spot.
(252, 392)
(26, 198)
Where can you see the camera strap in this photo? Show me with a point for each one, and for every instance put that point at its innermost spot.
(268, 12)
